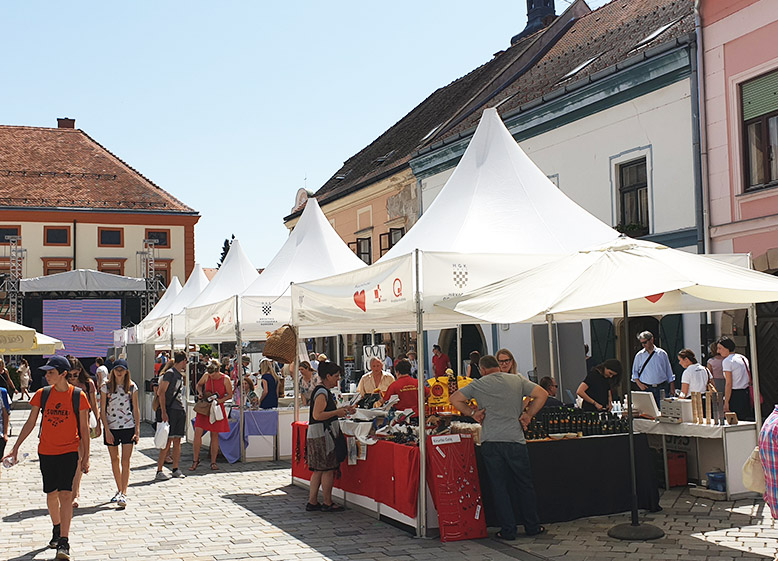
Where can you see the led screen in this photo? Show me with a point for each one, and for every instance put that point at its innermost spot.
(84, 326)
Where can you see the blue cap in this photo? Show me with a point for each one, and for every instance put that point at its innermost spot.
(121, 363)
(57, 363)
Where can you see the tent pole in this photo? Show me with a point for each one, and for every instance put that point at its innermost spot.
(421, 511)
(634, 530)
(551, 347)
(754, 367)
(239, 376)
(295, 381)
(188, 384)
(459, 350)
(372, 338)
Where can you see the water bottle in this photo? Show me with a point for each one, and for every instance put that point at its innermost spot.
(9, 462)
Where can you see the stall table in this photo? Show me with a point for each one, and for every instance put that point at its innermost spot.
(708, 448)
(385, 484)
(573, 478)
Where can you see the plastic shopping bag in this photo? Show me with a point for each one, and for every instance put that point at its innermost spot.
(218, 414)
(161, 436)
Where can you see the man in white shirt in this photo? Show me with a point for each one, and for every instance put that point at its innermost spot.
(102, 372)
(376, 379)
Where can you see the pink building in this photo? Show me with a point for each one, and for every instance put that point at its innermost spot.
(740, 69)
(741, 114)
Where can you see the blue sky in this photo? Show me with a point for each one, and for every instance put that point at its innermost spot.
(233, 106)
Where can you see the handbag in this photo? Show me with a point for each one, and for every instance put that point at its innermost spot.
(203, 406)
(341, 446)
(753, 474)
(281, 345)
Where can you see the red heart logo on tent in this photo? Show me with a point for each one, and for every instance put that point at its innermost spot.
(359, 300)
(654, 298)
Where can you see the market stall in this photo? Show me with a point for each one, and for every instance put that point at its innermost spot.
(708, 448)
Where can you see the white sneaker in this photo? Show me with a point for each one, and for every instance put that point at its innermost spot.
(116, 496)
(161, 476)
(178, 473)
(122, 500)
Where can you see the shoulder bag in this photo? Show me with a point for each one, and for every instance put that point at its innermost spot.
(753, 474)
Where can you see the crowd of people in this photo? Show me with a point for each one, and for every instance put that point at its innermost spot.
(105, 403)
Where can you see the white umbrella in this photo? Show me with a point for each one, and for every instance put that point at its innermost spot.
(653, 279)
(615, 279)
(15, 337)
(18, 339)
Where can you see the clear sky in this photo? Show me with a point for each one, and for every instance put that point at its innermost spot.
(233, 106)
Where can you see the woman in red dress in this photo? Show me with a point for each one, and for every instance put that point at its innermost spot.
(212, 382)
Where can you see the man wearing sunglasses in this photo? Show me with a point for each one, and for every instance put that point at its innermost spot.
(651, 369)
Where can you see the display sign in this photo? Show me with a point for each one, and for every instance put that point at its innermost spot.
(85, 326)
(452, 476)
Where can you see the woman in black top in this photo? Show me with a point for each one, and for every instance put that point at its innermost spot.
(473, 371)
(596, 389)
(320, 442)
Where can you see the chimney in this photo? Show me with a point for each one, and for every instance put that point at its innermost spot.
(540, 13)
(67, 123)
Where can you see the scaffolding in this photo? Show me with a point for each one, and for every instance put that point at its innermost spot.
(153, 284)
(10, 285)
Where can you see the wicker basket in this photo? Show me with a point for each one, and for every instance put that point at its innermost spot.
(281, 345)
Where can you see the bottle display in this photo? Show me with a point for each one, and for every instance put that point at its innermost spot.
(562, 420)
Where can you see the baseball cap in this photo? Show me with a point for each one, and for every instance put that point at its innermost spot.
(57, 363)
(120, 363)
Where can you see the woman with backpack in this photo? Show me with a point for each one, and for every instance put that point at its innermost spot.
(79, 377)
(121, 419)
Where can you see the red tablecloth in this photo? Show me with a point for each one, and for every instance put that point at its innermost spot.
(389, 475)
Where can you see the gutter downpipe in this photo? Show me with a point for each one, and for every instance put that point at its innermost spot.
(700, 130)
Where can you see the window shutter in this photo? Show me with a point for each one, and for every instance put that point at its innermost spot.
(760, 96)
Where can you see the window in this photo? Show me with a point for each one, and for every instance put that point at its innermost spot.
(389, 239)
(56, 235)
(6, 230)
(115, 266)
(162, 237)
(363, 247)
(110, 237)
(759, 98)
(162, 269)
(633, 197)
(54, 265)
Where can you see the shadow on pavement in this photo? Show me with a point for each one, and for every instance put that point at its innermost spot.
(30, 555)
(36, 512)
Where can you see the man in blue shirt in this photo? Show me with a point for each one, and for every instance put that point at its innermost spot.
(5, 420)
(651, 369)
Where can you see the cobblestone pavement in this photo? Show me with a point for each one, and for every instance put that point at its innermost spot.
(253, 512)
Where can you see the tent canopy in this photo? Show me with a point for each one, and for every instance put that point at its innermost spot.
(82, 280)
(499, 201)
(652, 278)
(167, 299)
(313, 250)
(211, 316)
(498, 215)
(157, 330)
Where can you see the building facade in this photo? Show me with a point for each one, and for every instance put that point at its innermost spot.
(740, 147)
(72, 204)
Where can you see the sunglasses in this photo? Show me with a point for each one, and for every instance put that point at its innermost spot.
(505, 361)
(645, 342)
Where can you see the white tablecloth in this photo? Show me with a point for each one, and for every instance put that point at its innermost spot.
(689, 429)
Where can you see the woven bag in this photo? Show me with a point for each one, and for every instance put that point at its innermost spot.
(281, 345)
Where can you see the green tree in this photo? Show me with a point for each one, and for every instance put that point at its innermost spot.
(225, 250)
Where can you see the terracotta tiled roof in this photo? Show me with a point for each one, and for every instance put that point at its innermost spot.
(606, 36)
(602, 38)
(392, 150)
(60, 167)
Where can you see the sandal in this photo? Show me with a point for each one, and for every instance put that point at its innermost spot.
(501, 536)
(194, 465)
(332, 508)
(540, 530)
(214, 466)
